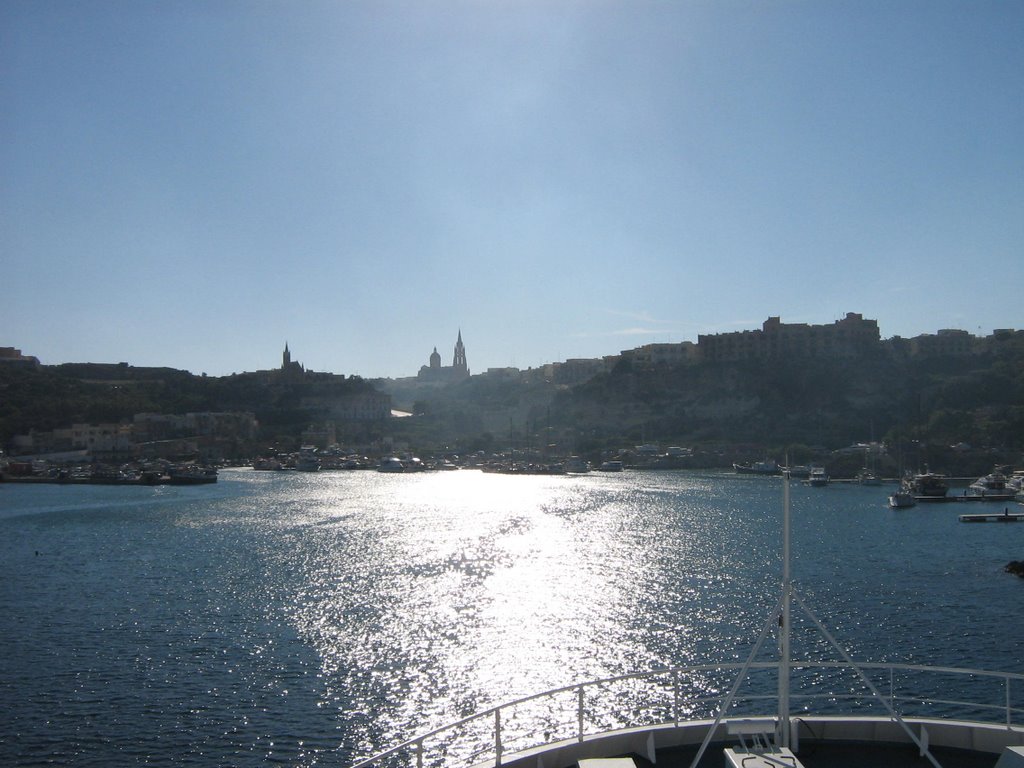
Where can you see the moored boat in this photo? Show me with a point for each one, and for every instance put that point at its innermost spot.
(928, 486)
(817, 477)
(391, 464)
(992, 487)
(766, 467)
(576, 465)
(191, 474)
(868, 477)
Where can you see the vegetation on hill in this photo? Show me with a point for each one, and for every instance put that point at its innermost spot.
(964, 409)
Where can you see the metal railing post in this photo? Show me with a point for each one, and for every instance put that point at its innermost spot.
(675, 697)
(497, 738)
(892, 689)
(1009, 717)
(579, 714)
(419, 754)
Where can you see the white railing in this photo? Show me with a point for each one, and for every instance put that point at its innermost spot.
(670, 697)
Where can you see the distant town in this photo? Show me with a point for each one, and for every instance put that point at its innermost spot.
(809, 390)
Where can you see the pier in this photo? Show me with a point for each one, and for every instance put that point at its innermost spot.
(1006, 516)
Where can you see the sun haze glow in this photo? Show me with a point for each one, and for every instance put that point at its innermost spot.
(191, 184)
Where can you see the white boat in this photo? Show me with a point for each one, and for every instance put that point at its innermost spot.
(308, 462)
(575, 465)
(994, 486)
(391, 464)
(817, 477)
(928, 486)
(846, 713)
(902, 499)
(867, 477)
(766, 467)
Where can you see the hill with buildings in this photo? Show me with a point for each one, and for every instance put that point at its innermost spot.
(798, 388)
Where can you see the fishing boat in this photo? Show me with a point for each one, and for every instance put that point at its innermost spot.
(847, 713)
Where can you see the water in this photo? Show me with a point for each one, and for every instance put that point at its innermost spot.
(315, 618)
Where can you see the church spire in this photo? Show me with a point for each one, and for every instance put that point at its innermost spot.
(286, 358)
(459, 363)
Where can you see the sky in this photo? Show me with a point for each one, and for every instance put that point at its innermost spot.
(194, 184)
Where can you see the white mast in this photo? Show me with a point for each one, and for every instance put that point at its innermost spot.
(783, 733)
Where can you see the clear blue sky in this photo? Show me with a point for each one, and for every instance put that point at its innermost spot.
(194, 183)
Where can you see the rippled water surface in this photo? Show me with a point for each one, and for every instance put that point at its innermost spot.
(314, 619)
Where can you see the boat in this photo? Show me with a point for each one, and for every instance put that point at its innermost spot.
(191, 474)
(797, 471)
(766, 467)
(902, 499)
(928, 486)
(612, 465)
(308, 462)
(391, 464)
(575, 465)
(846, 713)
(867, 477)
(817, 477)
(991, 487)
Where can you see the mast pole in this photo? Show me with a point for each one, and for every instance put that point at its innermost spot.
(782, 737)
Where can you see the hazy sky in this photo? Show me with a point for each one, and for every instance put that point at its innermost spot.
(194, 183)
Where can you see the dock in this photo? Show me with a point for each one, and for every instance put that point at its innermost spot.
(997, 497)
(1006, 516)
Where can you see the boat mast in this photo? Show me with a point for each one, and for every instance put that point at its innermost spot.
(783, 733)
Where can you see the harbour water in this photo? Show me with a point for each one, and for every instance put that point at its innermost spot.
(316, 618)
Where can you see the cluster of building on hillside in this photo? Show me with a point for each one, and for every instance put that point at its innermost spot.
(851, 337)
(209, 436)
(162, 435)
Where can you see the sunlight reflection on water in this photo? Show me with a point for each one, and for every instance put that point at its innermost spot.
(443, 593)
(313, 618)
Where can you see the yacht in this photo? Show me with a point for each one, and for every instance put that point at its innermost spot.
(391, 464)
(766, 467)
(993, 486)
(929, 486)
(817, 477)
(575, 465)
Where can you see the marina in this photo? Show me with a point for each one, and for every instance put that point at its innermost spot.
(324, 618)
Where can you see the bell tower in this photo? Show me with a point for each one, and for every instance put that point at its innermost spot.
(459, 363)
